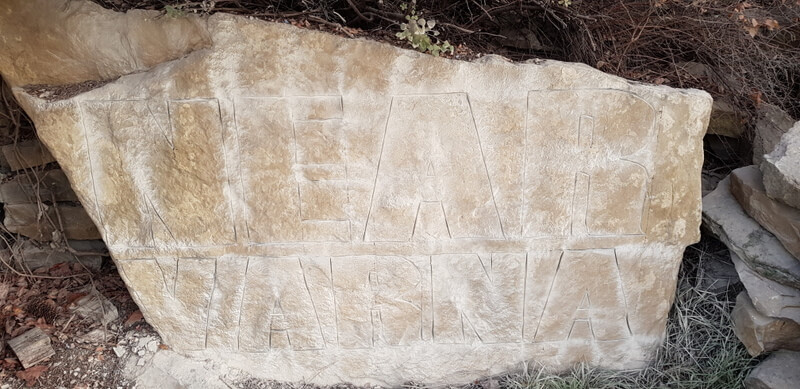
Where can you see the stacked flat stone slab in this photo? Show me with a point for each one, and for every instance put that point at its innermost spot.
(753, 244)
(767, 314)
(779, 371)
(782, 220)
(760, 333)
(754, 213)
(781, 169)
(316, 208)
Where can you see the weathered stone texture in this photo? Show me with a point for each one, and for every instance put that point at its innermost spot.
(78, 41)
(771, 123)
(312, 207)
(776, 217)
(781, 169)
(30, 188)
(747, 239)
(726, 120)
(26, 154)
(40, 221)
(769, 297)
(34, 255)
(760, 333)
(779, 371)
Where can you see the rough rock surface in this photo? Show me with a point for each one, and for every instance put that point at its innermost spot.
(26, 154)
(771, 124)
(311, 207)
(769, 297)
(781, 169)
(744, 236)
(34, 256)
(78, 41)
(760, 333)
(30, 188)
(776, 217)
(41, 221)
(726, 120)
(780, 371)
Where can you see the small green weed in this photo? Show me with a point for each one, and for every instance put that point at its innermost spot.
(174, 12)
(420, 33)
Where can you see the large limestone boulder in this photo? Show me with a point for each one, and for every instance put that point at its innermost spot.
(310, 207)
(776, 217)
(781, 169)
(760, 333)
(747, 239)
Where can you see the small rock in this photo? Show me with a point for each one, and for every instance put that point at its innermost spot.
(694, 69)
(142, 342)
(780, 371)
(140, 353)
(140, 362)
(760, 333)
(771, 124)
(152, 346)
(781, 169)
(726, 120)
(119, 351)
(94, 336)
(776, 217)
(726, 219)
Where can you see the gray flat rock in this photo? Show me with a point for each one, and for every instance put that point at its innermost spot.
(769, 297)
(781, 169)
(754, 245)
(760, 333)
(776, 217)
(780, 371)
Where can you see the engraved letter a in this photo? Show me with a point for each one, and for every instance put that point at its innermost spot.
(432, 178)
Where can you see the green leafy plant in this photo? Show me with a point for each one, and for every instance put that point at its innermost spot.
(174, 12)
(420, 33)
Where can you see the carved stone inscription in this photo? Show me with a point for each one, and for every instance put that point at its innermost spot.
(144, 143)
(345, 210)
(422, 163)
(590, 181)
(584, 174)
(362, 302)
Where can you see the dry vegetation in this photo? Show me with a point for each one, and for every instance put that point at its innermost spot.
(752, 48)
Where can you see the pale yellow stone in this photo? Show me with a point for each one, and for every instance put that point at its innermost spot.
(310, 207)
(78, 41)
